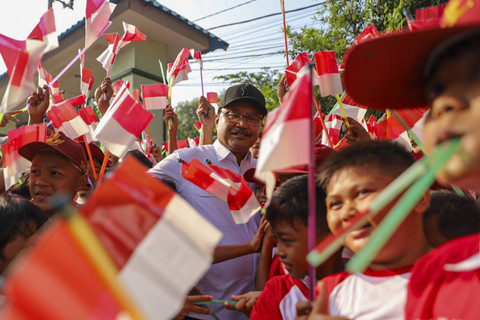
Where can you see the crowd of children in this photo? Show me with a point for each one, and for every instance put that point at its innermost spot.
(428, 269)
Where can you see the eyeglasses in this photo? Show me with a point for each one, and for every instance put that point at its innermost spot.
(235, 117)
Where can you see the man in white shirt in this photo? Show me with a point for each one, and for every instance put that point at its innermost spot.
(238, 123)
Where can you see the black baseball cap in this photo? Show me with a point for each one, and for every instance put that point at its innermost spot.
(245, 92)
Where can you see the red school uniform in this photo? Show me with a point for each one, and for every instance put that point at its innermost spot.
(441, 288)
(368, 295)
(279, 299)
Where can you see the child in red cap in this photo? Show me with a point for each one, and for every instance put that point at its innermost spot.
(58, 168)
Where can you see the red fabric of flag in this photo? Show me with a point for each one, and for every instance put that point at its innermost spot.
(300, 61)
(97, 15)
(88, 115)
(201, 176)
(155, 96)
(77, 101)
(45, 31)
(132, 116)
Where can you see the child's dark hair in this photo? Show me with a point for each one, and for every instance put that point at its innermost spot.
(290, 201)
(18, 216)
(22, 189)
(141, 157)
(384, 156)
(457, 216)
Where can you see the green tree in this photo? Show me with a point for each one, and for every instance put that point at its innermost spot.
(266, 81)
(187, 116)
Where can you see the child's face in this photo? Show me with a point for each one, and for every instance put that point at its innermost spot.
(351, 191)
(13, 248)
(454, 97)
(292, 246)
(52, 174)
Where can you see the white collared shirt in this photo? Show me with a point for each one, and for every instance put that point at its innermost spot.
(235, 276)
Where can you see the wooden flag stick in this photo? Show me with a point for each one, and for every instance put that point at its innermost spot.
(282, 4)
(104, 166)
(90, 156)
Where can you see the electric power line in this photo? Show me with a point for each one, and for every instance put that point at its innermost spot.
(214, 14)
(265, 16)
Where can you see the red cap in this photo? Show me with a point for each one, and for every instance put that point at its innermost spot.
(61, 144)
(388, 71)
(97, 153)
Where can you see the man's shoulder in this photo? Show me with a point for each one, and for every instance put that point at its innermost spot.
(188, 154)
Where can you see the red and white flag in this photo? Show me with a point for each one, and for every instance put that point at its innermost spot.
(241, 200)
(327, 69)
(182, 144)
(352, 109)
(299, 65)
(44, 78)
(131, 33)
(21, 83)
(43, 35)
(123, 123)
(118, 85)
(86, 81)
(334, 124)
(155, 96)
(78, 100)
(179, 69)
(90, 119)
(96, 19)
(15, 165)
(65, 118)
(86, 78)
(108, 56)
(285, 140)
(140, 221)
(57, 266)
(197, 55)
(426, 18)
(203, 177)
(115, 43)
(45, 31)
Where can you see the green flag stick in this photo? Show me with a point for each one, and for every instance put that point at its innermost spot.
(409, 130)
(420, 144)
(163, 72)
(206, 303)
(401, 209)
(170, 123)
(333, 242)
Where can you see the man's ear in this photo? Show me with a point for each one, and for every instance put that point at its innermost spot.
(216, 119)
(423, 204)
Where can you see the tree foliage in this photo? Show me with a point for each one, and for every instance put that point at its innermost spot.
(187, 116)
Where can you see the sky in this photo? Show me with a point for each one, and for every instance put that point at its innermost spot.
(262, 38)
